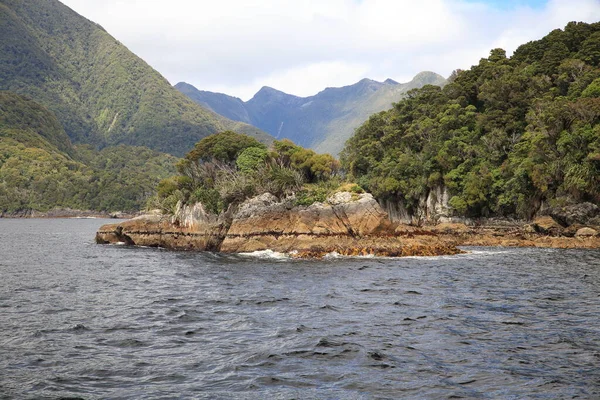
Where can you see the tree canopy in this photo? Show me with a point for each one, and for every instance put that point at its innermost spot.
(506, 137)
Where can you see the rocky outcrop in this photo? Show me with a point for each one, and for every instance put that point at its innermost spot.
(546, 225)
(583, 213)
(191, 228)
(347, 224)
(345, 221)
(586, 233)
(432, 208)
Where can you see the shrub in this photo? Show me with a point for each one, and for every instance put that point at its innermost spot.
(251, 159)
(235, 187)
(280, 180)
(210, 199)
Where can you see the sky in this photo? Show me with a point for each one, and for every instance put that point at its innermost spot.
(303, 46)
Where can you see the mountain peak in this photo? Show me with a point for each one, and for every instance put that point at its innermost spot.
(267, 93)
(390, 81)
(429, 78)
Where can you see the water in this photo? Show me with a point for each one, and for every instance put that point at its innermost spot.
(81, 320)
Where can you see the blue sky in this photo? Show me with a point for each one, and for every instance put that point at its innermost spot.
(304, 46)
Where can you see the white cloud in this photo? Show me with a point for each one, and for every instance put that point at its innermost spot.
(303, 46)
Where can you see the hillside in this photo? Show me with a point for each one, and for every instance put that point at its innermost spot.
(40, 169)
(100, 92)
(323, 121)
(508, 137)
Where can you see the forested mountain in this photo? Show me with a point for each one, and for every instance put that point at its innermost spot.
(510, 136)
(101, 93)
(322, 122)
(40, 169)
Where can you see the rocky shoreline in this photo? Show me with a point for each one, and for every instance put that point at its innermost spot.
(347, 224)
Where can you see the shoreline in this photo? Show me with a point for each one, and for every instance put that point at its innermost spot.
(67, 213)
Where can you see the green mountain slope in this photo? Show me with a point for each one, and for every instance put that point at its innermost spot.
(100, 92)
(510, 137)
(40, 169)
(322, 122)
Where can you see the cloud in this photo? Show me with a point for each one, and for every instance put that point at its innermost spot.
(302, 46)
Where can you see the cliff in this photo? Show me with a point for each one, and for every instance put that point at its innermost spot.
(347, 223)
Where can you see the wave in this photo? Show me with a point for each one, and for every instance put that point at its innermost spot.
(267, 254)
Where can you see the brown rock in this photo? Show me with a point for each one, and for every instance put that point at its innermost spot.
(450, 228)
(547, 225)
(586, 232)
(264, 222)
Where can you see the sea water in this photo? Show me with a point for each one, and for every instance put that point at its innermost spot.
(81, 320)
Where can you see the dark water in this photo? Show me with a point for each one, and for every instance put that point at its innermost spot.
(90, 321)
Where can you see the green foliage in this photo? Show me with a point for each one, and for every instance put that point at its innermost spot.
(504, 137)
(593, 89)
(317, 192)
(279, 179)
(210, 198)
(315, 166)
(224, 147)
(100, 92)
(41, 170)
(228, 168)
(251, 159)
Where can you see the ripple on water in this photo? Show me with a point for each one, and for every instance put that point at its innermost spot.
(89, 321)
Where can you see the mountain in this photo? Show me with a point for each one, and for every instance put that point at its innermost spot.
(40, 169)
(323, 121)
(101, 93)
(512, 136)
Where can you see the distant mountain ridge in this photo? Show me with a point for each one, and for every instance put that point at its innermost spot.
(324, 121)
(101, 93)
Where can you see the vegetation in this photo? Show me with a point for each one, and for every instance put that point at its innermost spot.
(505, 137)
(100, 92)
(41, 170)
(228, 168)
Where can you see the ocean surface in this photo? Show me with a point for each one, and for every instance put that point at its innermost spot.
(80, 320)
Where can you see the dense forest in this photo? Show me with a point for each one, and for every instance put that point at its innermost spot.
(507, 137)
(40, 169)
(100, 92)
(75, 108)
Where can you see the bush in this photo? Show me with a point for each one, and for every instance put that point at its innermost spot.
(316, 192)
(210, 199)
(251, 159)
(279, 180)
(234, 187)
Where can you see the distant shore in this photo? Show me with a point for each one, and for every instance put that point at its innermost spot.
(69, 213)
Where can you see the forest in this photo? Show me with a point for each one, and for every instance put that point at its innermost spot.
(40, 169)
(508, 137)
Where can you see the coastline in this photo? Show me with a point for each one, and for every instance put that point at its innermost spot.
(69, 213)
(347, 224)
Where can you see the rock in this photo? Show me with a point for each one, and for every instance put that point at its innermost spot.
(575, 214)
(437, 204)
(450, 228)
(264, 222)
(547, 225)
(570, 231)
(346, 224)
(586, 232)
(190, 228)
(339, 198)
